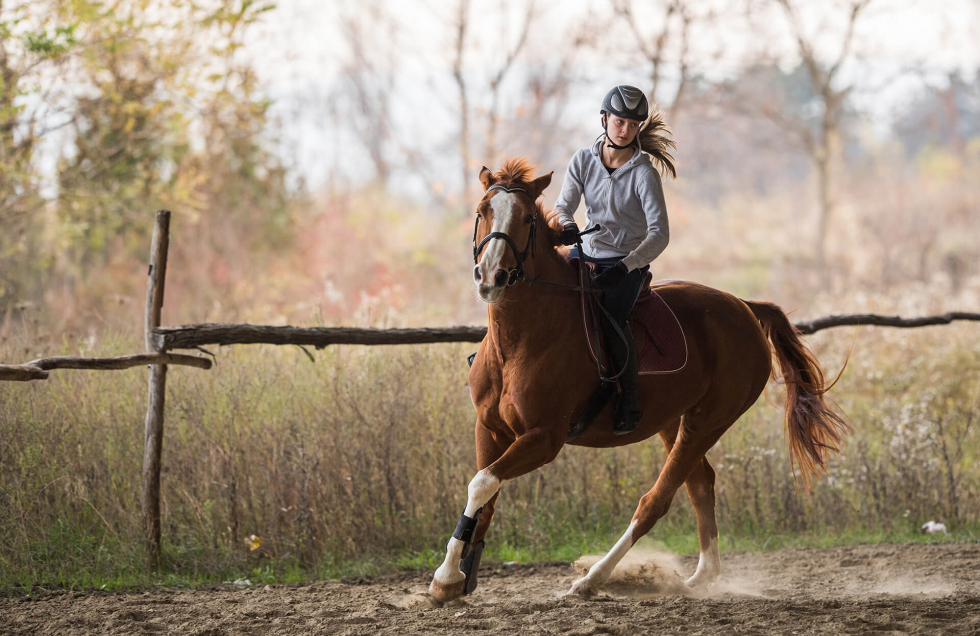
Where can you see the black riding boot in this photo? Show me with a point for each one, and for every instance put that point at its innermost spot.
(628, 412)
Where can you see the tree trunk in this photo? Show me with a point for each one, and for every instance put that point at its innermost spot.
(464, 108)
(823, 186)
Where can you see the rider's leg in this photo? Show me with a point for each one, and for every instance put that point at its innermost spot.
(628, 411)
(622, 350)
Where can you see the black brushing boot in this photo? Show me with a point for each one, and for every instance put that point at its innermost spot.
(470, 565)
(628, 412)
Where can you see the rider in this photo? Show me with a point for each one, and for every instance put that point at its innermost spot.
(624, 195)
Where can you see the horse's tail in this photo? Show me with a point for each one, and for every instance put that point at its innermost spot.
(814, 429)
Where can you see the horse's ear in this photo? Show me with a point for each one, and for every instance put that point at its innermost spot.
(486, 178)
(539, 184)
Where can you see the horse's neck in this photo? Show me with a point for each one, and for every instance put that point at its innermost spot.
(536, 312)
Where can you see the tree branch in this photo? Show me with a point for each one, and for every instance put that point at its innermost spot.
(844, 320)
(38, 369)
(845, 49)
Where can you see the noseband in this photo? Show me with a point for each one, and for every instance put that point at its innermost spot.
(516, 273)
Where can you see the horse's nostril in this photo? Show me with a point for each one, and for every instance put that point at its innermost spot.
(477, 276)
(500, 278)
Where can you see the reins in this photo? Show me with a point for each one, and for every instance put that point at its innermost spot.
(516, 274)
(590, 290)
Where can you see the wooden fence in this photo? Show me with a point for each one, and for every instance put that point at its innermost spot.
(161, 340)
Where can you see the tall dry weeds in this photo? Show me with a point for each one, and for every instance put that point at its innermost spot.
(365, 455)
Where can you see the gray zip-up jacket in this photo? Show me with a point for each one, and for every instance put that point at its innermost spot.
(628, 204)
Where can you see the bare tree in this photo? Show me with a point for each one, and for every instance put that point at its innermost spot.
(676, 19)
(460, 29)
(537, 123)
(815, 131)
(823, 77)
(35, 51)
(370, 73)
(511, 54)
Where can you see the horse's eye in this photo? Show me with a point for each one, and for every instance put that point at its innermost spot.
(528, 219)
(479, 216)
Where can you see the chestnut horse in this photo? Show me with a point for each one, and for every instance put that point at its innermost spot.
(533, 376)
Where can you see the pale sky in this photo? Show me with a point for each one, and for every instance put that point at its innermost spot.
(299, 51)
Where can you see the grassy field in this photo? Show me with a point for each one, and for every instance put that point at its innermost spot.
(358, 463)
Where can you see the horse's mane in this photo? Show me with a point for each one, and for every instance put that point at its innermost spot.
(515, 169)
(519, 170)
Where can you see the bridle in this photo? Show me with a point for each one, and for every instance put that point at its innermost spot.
(515, 273)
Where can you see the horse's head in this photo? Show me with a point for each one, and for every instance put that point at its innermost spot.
(507, 219)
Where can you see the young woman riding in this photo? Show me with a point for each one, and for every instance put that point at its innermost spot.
(624, 195)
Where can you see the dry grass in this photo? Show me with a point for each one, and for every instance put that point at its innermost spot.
(363, 457)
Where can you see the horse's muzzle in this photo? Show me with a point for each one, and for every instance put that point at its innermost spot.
(490, 293)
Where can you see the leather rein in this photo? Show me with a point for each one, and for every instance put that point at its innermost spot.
(516, 274)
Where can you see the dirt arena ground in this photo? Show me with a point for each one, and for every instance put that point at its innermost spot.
(899, 589)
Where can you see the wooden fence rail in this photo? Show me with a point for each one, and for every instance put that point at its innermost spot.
(38, 369)
(815, 325)
(161, 340)
(164, 339)
(192, 336)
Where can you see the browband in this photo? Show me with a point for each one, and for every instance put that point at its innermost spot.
(499, 186)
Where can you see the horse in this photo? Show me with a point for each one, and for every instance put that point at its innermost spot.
(533, 375)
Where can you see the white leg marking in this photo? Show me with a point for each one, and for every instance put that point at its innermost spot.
(709, 566)
(601, 571)
(448, 573)
(481, 489)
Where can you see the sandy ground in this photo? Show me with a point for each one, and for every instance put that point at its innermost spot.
(878, 589)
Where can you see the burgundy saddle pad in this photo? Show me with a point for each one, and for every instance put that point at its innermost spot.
(656, 331)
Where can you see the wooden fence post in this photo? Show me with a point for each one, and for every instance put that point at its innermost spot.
(153, 440)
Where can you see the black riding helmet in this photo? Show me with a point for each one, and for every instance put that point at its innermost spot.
(625, 101)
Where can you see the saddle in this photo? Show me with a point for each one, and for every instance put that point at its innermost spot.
(659, 337)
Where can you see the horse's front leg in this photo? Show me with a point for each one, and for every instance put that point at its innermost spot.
(531, 450)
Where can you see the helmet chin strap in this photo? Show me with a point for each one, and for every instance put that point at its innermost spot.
(610, 143)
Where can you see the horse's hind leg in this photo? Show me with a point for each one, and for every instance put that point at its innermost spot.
(684, 457)
(701, 489)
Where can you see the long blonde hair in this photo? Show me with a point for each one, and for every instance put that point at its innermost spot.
(655, 138)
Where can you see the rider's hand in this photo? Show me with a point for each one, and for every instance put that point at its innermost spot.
(569, 234)
(611, 277)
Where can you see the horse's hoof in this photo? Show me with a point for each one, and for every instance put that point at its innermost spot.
(444, 592)
(706, 574)
(582, 588)
(701, 580)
